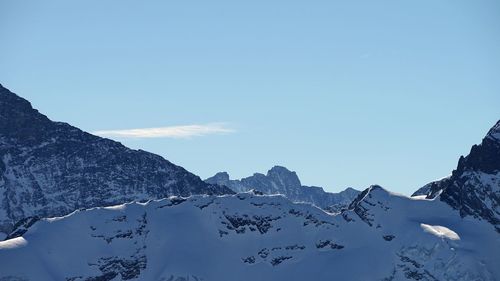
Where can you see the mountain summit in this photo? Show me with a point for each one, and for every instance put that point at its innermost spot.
(280, 180)
(474, 186)
(52, 168)
(494, 133)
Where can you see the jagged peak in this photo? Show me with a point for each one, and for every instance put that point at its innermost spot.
(279, 169)
(281, 172)
(18, 118)
(494, 132)
(377, 187)
(276, 171)
(8, 98)
(280, 180)
(484, 157)
(222, 176)
(374, 190)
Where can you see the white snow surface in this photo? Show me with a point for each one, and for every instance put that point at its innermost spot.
(13, 243)
(440, 231)
(251, 237)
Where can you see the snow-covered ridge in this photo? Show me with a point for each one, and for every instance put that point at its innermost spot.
(257, 237)
(51, 169)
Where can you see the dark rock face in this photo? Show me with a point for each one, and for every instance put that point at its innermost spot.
(51, 168)
(484, 157)
(474, 187)
(240, 224)
(280, 180)
(328, 244)
(388, 237)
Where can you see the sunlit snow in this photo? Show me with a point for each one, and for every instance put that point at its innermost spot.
(440, 231)
(13, 243)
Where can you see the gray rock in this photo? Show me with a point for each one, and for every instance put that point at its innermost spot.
(51, 168)
(474, 186)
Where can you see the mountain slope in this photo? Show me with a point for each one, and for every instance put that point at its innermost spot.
(474, 186)
(280, 180)
(383, 236)
(51, 168)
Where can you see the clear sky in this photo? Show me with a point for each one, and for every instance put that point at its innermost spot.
(346, 93)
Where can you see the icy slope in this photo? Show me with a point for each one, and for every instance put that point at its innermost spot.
(280, 180)
(251, 237)
(50, 168)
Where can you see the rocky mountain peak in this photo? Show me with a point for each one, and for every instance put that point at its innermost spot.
(473, 188)
(494, 132)
(51, 168)
(8, 98)
(484, 157)
(372, 191)
(284, 176)
(219, 178)
(280, 180)
(18, 117)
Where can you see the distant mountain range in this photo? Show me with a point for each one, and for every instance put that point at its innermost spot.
(280, 180)
(51, 168)
(218, 230)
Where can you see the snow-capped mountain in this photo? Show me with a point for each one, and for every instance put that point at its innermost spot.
(51, 168)
(449, 232)
(251, 236)
(474, 186)
(280, 180)
(383, 236)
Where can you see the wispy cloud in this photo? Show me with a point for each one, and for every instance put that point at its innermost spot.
(178, 132)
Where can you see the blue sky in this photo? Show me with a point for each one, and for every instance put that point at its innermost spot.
(346, 93)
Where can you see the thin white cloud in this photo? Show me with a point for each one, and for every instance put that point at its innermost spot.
(177, 132)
